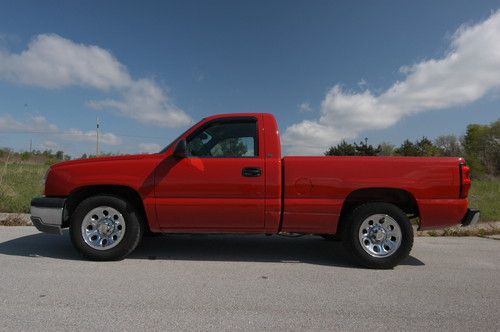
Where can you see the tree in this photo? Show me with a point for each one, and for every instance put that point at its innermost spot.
(386, 149)
(347, 149)
(426, 148)
(59, 155)
(421, 148)
(448, 146)
(482, 148)
(407, 149)
(341, 149)
(365, 149)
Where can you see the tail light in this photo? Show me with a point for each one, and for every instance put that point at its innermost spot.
(465, 180)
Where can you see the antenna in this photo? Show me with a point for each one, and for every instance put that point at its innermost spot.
(97, 136)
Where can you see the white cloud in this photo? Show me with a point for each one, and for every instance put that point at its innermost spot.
(38, 124)
(33, 124)
(90, 136)
(469, 70)
(51, 61)
(49, 145)
(149, 147)
(305, 108)
(147, 103)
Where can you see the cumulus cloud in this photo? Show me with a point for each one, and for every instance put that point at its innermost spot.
(147, 103)
(39, 124)
(51, 61)
(149, 147)
(49, 145)
(305, 108)
(468, 71)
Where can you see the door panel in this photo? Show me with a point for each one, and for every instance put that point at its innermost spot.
(210, 194)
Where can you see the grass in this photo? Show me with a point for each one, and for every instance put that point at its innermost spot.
(21, 180)
(19, 183)
(485, 195)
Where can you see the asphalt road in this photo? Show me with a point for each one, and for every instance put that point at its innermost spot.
(247, 283)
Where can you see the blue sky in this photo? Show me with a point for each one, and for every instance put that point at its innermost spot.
(324, 68)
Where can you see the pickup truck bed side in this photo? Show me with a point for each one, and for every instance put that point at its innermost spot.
(319, 187)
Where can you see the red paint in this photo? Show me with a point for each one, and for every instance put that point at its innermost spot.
(298, 194)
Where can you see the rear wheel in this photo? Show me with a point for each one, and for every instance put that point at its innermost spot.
(379, 235)
(105, 228)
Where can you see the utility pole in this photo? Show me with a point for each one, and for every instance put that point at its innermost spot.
(97, 136)
(31, 145)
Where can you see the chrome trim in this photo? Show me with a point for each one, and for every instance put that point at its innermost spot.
(45, 228)
(47, 214)
(380, 235)
(103, 228)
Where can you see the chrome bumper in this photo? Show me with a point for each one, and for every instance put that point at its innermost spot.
(471, 217)
(47, 214)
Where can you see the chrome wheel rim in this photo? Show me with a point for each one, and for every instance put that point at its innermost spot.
(103, 228)
(380, 235)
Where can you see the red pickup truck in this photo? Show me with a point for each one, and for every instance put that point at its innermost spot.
(226, 175)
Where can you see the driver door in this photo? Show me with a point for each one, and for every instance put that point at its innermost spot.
(220, 186)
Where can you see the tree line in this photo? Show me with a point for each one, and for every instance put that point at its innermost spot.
(49, 156)
(480, 146)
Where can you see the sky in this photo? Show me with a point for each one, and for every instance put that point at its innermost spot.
(328, 70)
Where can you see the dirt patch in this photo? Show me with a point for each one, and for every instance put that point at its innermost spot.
(15, 219)
(480, 229)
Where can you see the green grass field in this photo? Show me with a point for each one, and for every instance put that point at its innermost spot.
(485, 195)
(20, 181)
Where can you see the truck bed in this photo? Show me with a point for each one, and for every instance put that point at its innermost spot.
(315, 188)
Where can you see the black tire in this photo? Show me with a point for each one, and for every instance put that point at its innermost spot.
(352, 242)
(132, 235)
(330, 237)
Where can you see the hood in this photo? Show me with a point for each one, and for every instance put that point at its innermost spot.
(106, 159)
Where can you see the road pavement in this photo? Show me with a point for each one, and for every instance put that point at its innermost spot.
(251, 282)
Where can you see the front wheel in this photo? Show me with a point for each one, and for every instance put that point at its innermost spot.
(378, 235)
(105, 228)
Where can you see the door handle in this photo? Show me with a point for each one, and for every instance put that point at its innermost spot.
(251, 171)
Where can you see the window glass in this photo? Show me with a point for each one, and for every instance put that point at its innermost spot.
(225, 140)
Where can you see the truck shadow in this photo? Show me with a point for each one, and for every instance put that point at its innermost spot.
(232, 248)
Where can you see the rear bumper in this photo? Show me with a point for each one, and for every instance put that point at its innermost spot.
(47, 214)
(471, 217)
(441, 213)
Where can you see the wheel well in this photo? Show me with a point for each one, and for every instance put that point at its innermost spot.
(124, 192)
(399, 197)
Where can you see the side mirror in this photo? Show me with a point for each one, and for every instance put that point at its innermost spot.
(181, 149)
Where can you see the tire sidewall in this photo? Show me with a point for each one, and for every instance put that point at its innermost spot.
(351, 239)
(133, 228)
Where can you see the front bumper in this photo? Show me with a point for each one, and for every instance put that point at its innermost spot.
(47, 214)
(471, 217)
